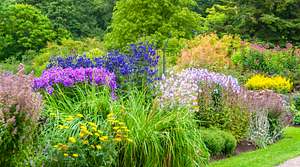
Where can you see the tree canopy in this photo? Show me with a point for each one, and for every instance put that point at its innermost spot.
(161, 19)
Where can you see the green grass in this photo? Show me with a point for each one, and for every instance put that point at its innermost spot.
(287, 148)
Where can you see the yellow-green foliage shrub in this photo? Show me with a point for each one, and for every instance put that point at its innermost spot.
(91, 47)
(277, 83)
(209, 50)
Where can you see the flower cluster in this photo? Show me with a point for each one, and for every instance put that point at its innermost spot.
(277, 83)
(69, 77)
(91, 137)
(141, 62)
(183, 88)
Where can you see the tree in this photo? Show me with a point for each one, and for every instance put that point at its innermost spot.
(22, 28)
(276, 21)
(158, 19)
(83, 18)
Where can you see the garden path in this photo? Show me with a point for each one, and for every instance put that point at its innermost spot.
(291, 163)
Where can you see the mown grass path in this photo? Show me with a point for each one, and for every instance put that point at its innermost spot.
(273, 155)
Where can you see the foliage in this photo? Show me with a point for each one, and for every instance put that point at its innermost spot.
(83, 18)
(223, 109)
(295, 105)
(157, 20)
(272, 21)
(203, 5)
(218, 142)
(138, 67)
(276, 61)
(23, 28)
(209, 51)
(183, 88)
(19, 113)
(277, 83)
(89, 46)
(160, 137)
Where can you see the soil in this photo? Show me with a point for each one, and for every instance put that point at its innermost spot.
(243, 146)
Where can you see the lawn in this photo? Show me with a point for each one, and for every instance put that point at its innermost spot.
(287, 148)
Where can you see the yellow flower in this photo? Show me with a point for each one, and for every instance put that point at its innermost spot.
(66, 155)
(97, 134)
(81, 134)
(93, 146)
(72, 139)
(118, 139)
(79, 115)
(130, 140)
(75, 155)
(98, 147)
(69, 118)
(63, 127)
(104, 138)
(92, 124)
(94, 128)
(82, 127)
(116, 128)
(85, 142)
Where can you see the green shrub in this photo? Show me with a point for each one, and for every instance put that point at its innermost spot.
(230, 142)
(23, 28)
(218, 142)
(214, 142)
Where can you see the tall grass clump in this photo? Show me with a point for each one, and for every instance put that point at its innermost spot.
(20, 109)
(159, 137)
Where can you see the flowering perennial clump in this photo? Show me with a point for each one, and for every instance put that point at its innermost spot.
(18, 99)
(69, 77)
(277, 83)
(20, 109)
(183, 88)
(91, 139)
(141, 62)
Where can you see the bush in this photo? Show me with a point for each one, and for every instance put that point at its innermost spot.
(89, 46)
(209, 51)
(19, 114)
(23, 28)
(218, 142)
(277, 83)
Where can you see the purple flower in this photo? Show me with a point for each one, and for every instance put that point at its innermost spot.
(68, 77)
